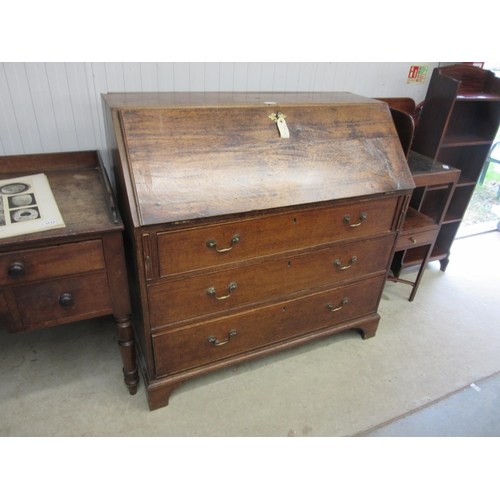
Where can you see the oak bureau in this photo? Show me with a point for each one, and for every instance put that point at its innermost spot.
(254, 222)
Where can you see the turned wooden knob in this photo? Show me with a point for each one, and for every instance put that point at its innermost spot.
(16, 270)
(66, 300)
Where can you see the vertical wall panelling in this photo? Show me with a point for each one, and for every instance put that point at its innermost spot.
(166, 77)
(266, 77)
(181, 77)
(240, 79)
(292, 77)
(196, 77)
(226, 77)
(97, 84)
(149, 76)
(132, 74)
(10, 135)
(47, 107)
(114, 76)
(304, 78)
(24, 114)
(61, 102)
(212, 77)
(280, 76)
(41, 100)
(253, 78)
(80, 106)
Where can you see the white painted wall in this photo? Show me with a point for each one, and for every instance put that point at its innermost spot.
(56, 106)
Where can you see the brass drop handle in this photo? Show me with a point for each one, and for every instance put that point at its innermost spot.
(333, 309)
(338, 264)
(66, 300)
(218, 343)
(16, 270)
(230, 288)
(362, 217)
(212, 244)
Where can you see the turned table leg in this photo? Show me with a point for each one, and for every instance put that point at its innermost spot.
(127, 349)
(117, 278)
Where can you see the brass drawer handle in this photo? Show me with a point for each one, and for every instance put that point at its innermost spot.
(66, 300)
(16, 270)
(230, 288)
(362, 217)
(218, 343)
(212, 244)
(338, 264)
(332, 309)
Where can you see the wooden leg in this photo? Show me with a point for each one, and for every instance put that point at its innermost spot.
(127, 349)
(444, 264)
(369, 327)
(158, 396)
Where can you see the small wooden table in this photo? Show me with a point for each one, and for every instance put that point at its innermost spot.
(429, 210)
(73, 273)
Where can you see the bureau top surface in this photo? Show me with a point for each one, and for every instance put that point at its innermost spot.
(195, 155)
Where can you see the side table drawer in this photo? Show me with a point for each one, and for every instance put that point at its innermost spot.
(208, 342)
(417, 239)
(27, 266)
(65, 300)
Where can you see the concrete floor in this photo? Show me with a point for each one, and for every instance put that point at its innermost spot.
(67, 381)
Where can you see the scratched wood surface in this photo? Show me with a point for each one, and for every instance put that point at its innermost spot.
(205, 160)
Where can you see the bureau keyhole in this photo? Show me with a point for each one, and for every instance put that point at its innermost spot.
(284, 308)
(289, 264)
(295, 220)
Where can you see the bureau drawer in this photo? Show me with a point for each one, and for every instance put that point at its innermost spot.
(63, 300)
(416, 239)
(187, 250)
(184, 299)
(211, 341)
(28, 266)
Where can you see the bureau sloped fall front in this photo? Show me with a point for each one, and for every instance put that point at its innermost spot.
(254, 222)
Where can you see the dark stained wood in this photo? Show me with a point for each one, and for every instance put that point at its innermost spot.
(435, 184)
(458, 123)
(405, 104)
(71, 273)
(211, 195)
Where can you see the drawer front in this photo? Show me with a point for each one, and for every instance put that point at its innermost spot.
(60, 300)
(417, 239)
(212, 341)
(188, 250)
(50, 262)
(213, 293)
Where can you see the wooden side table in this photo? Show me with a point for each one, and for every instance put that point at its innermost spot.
(73, 273)
(429, 211)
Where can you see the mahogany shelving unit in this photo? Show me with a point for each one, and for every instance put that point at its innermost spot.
(457, 126)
